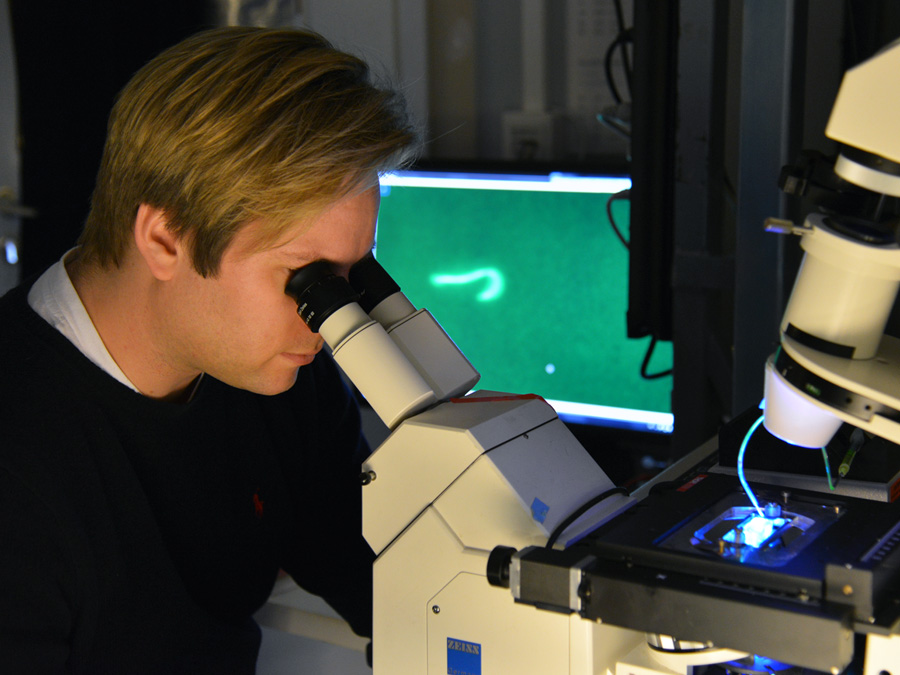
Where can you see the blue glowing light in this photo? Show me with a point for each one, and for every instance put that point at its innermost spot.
(12, 252)
(755, 530)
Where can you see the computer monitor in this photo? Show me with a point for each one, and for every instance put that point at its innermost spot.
(528, 276)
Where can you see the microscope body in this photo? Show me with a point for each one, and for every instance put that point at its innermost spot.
(450, 484)
(835, 364)
(460, 474)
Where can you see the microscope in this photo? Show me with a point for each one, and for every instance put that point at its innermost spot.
(479, 495)
(459, 474)
(835, 363)
(791, 572)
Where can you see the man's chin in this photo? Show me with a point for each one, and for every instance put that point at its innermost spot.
(271, 386)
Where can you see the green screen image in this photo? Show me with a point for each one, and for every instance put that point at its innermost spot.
(530, 281)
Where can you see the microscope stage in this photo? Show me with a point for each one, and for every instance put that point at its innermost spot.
(694, 560)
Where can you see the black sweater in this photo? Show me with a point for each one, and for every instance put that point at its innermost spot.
(139, 536)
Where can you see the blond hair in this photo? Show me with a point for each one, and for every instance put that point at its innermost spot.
(237, 125)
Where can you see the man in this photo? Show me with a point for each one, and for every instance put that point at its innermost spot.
(173, 436)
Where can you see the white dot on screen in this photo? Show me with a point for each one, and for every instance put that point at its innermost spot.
(549, 369)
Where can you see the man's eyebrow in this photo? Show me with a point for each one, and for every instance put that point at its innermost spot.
(298, 259)
(334, 264)
(307, 263)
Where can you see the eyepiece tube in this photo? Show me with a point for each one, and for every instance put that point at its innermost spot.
(417, 333)
(319, 293)
(360, 345)
(372, 282)
(379, 295)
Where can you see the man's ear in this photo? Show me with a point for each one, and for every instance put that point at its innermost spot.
(158, 245)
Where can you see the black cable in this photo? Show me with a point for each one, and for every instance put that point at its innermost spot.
(646, 362)
(620, 21)
(621, 39)
(580, 511)
(624, 194)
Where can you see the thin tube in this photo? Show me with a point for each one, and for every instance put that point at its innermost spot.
(827, 468)
(740, 465)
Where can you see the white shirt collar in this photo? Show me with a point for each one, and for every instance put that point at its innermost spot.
(55, 299)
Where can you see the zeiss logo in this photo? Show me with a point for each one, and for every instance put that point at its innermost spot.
(460, 646)
(463, 658)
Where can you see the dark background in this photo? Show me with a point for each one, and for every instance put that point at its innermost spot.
(710, 88)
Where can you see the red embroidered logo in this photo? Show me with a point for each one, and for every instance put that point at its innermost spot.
(257, 504)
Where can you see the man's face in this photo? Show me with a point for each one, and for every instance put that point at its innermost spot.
(240, 326)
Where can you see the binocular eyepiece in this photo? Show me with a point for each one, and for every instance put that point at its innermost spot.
(398, 357)
(330, 305)
(320, 292)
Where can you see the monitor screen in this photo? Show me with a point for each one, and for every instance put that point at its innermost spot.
(528, 276)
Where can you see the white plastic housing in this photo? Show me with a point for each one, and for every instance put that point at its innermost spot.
(865, 111)
(423, 460)
(392, 309)
(437, 358)
(451, 484)
(867, 177)
(342, 323)
(375, 364)
(844, 290)
(793, 417)
(874, 382)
